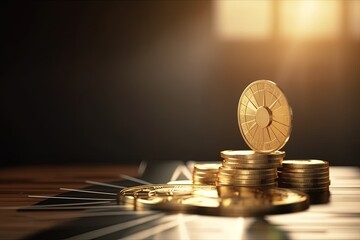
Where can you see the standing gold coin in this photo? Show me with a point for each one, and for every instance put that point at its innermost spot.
(264, 116)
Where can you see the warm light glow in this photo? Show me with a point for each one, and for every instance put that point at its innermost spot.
(310, 19)
(243, 19)
(354, 18)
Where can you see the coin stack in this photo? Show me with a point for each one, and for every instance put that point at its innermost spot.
(310, 176)
(245, 168)
(205, 173)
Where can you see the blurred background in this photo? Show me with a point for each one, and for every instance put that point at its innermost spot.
(125, 81)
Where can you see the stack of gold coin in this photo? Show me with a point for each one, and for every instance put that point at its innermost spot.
(205, 173)
(305, 175)
(245, 168)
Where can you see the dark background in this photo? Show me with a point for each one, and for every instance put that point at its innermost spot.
(121, 82)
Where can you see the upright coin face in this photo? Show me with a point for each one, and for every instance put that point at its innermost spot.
(264, 116)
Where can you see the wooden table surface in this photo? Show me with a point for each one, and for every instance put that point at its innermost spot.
(16, 183)
(337, 219)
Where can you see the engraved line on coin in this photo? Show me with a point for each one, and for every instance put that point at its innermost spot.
(253, 94)
(248, 121)
(271, 106)
(280, 123)
(250, 102)
(278, 130)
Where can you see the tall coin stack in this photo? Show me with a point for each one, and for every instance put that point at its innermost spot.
(310, 176)
(245, 168)
(205, 173)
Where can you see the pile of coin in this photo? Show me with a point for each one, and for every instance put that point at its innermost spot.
(205, 173)
(245, 168)
(305, 175)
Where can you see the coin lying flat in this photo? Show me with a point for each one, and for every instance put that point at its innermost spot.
(303, 164)
(247, 171)
(207, 167)
(250, 165)
(205, 173)
(251, 155)
(305, 175)
(204, 199)
(264, 116)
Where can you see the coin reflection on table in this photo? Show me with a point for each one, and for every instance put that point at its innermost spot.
(204, 199)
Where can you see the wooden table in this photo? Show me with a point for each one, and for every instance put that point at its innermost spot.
(16, 183)
(338, 219)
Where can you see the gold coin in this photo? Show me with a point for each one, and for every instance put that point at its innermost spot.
(250, 165)
(238, 182)
(199, 199)
(247, 171)
(308, 163)
(264, 116)
(247, 176)
(304, 185)
(251, 161)
(251, 155)
(305, 180)
(317, 170)
(207, 166)
(294, 175)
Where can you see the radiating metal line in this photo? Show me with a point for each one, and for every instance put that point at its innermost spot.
(68, 204)
(76, 207)
(104, 184)
(252, 120)
(100, 214)
(137, 180)
(253, 94)
(155, 230)
(280, 122)
(115, 228)
(87, 191)
(72, 198)
(278, 130)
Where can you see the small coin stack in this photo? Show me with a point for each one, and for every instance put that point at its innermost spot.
(310, 176)
(245, 168)
(205, 173)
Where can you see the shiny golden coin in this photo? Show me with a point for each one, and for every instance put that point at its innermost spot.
(239, 182)
(251, 155)
(263, 185)
(250, 165)
(251, 161)
(247, 171)
(204, 175)
(198, 199)
(304, 185)
(301, 175)
(302, 164)
(207, 167)
(264, 116)
(180, 182)
(305, 180)
(317, 170)
(247, 176)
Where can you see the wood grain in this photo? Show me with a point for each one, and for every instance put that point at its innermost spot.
(16, 183)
